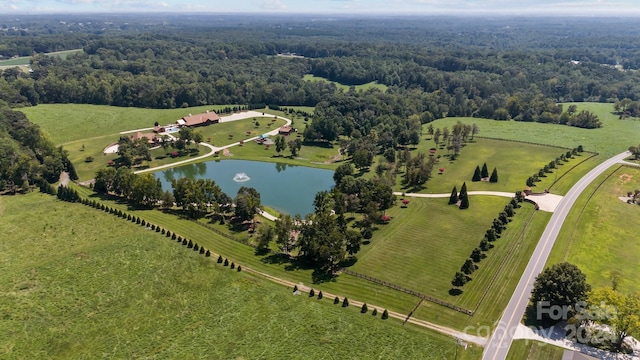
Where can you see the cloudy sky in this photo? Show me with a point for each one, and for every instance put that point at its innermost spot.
(576, 7)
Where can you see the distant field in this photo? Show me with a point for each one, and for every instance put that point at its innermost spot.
(614, 137)
(26, 60)
(79, 282)
(600, 234)
(345, 88)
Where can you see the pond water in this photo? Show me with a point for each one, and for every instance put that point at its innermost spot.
(286, 188)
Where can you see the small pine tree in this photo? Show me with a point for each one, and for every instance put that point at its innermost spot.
(226, 262)
(385, 315)
(129, 217)
(476, 174)
(173, 236)
(163, 232)
(312, 293)
(345, 302)
(168, 234)
(196, 247)
(239, 268)
(494, 176)
(208, 253)
(233, 265)
(364, 309)
(138, 221)
(336, 300)
(374, 312)
(202, 250)
(320, 295)
(464, 198)
(295, 288)
(485, 172)
(453, 199)
(184, 241)
(158, 229)
(190, 244)
(179, 238)
(220, 259)
(143, 223)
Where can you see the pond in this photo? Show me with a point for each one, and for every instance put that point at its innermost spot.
(286, 188)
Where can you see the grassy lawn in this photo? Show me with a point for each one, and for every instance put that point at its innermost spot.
(600, 234)
(230, 132)
(79, 282)
(514, 161)
(614, 137)
(345, 88)
(534, 350)
(315, 156)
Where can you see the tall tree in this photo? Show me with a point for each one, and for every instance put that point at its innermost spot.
(453, 199)
(622, 312)
(484, 173)
(494, 176)
(464, 197)
(476, 174)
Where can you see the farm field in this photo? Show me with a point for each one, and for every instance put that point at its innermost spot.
(600, 233)
(345, 88)
(533, 350)
(122, 291)
(612, 138)
(514, 161)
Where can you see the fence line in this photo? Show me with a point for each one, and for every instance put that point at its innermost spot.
(410, 292)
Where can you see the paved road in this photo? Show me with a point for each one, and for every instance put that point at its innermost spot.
(500, 342)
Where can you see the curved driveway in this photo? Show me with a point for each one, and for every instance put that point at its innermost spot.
(500, 342)
(239, 116)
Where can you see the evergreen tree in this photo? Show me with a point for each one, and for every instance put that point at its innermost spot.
(233, 265)
(239, 268)
(459, 279)
(226, 262)
(485, 172)
(464, 198)
(336, 300)
(453, 199)
(385, 315)
(201, 250)
(364, 309)
(476, 174)
(196, 247)
(374, 312)
(320, 295)
(312, 293)
(494, 176)
(208, 253)
(220, 259)
(345, 302)
(468, 267)
(476, 255)
(184, 241)
(295, 288)
(190, 244)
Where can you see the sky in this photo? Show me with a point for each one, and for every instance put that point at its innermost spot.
(390, 7)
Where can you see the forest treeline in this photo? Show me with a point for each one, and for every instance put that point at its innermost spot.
(191, 65)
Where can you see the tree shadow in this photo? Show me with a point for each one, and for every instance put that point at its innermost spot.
(348, 262)
(319, 276)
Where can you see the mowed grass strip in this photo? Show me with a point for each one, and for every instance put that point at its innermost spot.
(78, 282)
(427, 242)
(600, 234)
(614, 137)
(534, 350)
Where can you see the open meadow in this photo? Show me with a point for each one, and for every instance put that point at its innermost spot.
(79, 282)
(600, 234)
(345, 88)
(614, 137)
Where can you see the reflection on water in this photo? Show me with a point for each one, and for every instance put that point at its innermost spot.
(286, 188)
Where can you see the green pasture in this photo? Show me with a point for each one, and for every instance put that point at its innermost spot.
(534, 350)
(613, 138)
(79, 282)
(26, 60)
(345, 88)
(514, 161)
(230, 132)
(315, 156)
(600, 234)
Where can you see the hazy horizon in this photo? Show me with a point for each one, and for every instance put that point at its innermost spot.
(628, 8)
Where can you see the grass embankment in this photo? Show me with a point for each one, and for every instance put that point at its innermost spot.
(345, 88)
(600, 234)
(79, 282)
(533, 350)
(614, 137)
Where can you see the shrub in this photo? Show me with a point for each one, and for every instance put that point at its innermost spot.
(202, 250)
(336, 300)
(367, 233)
(233, 265)
(208, 253)
(173, 236)
(163, 231)
(184, 241)
(196, 247)
(494, 176)
(143, 223)
(138, 221)
(157, 229)
(385, 315)
(179, 238)
(320, 295)
(312, 293)
(345, 302)
(129, 217)
(226, 262)
(374, 312)
(219, 259)
(190, 244)
(364, 309)
(168, 234)
(295, 288)
(239, 268)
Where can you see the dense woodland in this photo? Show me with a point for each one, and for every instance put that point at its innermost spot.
(500, 68)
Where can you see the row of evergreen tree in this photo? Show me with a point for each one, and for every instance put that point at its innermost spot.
(479, 174)
(462, 199)
(564, 157)
(345, 303)
(493, 233)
